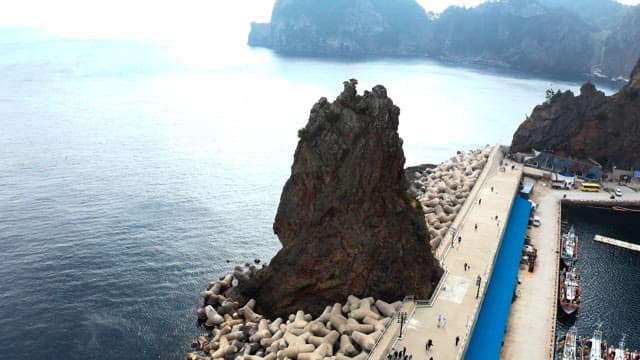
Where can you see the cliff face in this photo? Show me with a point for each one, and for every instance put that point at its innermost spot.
(346, 223)
(521, 34)
(604, 128)
(622, 47)
(343, 27)
(554, 37)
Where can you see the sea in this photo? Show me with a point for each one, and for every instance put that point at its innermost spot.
(609, 277)
(133, 172)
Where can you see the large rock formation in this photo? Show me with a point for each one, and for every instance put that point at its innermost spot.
(591, 125)
(345, 220)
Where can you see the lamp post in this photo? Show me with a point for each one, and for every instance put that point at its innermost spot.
(478, 281)
(402, 317)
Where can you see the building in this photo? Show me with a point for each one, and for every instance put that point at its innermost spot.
(587, 170)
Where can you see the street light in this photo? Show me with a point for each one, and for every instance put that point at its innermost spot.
(402, 317)
(478, 281)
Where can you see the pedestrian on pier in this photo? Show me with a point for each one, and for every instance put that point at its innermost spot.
(475, 227)
(457, 340)
(492, 189)
(479, 201)
(459, 239)
(465, 266)
(429, 344)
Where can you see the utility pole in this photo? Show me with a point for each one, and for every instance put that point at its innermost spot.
(402, 317)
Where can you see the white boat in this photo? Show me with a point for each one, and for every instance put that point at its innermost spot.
(594, 349)
(569, 291)
(569, 247)
(570, 348)
(619, 352)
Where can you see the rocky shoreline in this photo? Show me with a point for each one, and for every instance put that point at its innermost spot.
(343, 331)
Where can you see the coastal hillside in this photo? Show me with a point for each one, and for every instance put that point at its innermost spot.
(520, 34)
(590, 125)
(600, 13)
(562, 38)
(343, 27)
(622, 47)
(346, 221)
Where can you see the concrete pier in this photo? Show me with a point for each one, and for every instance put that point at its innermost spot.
(478, 248)
(616, 242)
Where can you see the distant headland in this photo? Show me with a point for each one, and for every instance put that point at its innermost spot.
(557, 38)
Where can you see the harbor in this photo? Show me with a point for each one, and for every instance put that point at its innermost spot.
(535, 321)
(603, 268)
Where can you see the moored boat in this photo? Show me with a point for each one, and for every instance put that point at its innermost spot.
(569, 247)
(594, 348)
(569, 291)
(570, 345)
(619, 353)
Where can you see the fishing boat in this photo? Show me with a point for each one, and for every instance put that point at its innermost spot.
(594, 348)
(570, 345)
(619, 353)
(569, 291)
(569, 247)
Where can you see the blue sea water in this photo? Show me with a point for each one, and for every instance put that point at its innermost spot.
(130, 172)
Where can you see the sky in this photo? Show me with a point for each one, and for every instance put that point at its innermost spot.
(153, 19)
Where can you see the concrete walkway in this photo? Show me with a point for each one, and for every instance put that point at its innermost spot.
(477, 248)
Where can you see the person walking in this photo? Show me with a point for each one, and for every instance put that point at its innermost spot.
(479, 201)
(459, 239)
(475, 227)
(429, 344)
(465, 266)
(457, 340)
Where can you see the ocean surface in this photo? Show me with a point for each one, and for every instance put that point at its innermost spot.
(610, 280)
(133, 172)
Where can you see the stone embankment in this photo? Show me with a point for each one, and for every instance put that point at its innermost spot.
(443, 189)
(341, 332)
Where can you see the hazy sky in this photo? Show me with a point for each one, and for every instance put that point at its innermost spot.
(156, 19)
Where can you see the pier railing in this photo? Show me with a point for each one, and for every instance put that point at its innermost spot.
(490, 167)
(384, 343)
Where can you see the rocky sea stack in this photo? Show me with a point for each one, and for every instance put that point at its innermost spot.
(346, 221)
(591, 125)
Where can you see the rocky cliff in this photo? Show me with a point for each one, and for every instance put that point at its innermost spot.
(561, 38)
(621, 48)
(345, 220)
(343, 27)
(590, 125)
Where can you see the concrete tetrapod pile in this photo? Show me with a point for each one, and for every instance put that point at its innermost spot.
(341, 332)
(442, 190)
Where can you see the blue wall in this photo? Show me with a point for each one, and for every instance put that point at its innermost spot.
(488, 333)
